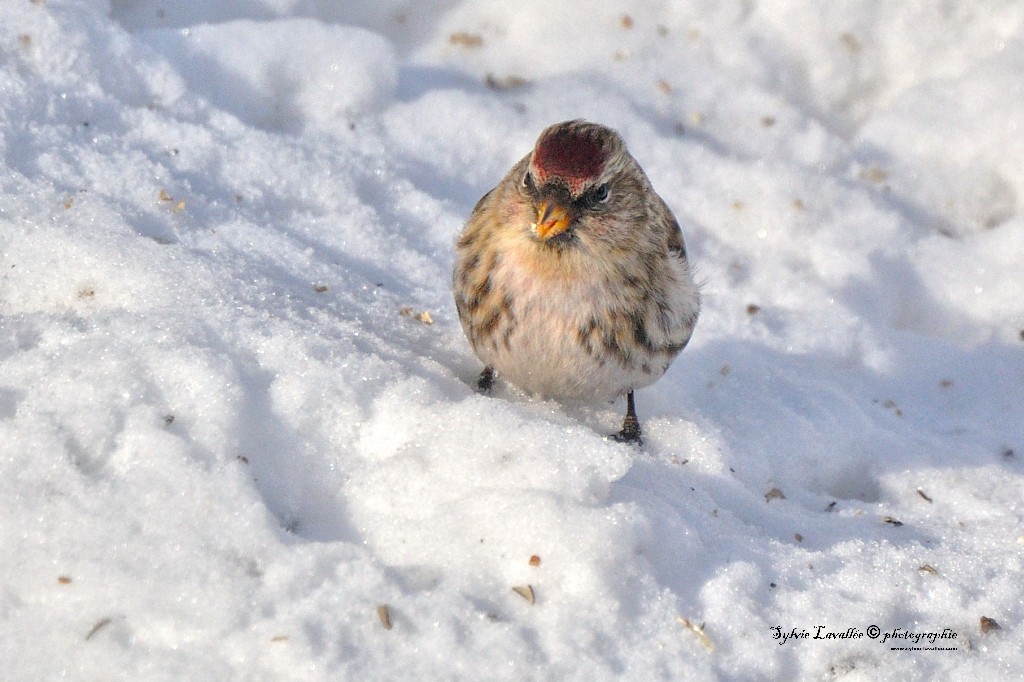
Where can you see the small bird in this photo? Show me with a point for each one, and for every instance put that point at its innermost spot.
(571, 279)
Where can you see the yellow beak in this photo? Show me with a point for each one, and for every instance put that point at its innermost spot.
(552, 220)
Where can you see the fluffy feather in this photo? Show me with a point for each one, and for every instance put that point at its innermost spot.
(596, 312)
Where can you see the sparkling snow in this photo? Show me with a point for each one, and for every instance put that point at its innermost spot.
(238, 430)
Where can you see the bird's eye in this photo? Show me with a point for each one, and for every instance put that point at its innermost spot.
(600, 194)
(528, 180)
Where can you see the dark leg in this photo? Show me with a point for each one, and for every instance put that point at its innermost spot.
(630, 432)
(486, 380)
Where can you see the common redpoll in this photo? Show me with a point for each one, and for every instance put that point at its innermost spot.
(571, 278)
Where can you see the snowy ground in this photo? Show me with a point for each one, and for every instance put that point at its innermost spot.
(228, 434)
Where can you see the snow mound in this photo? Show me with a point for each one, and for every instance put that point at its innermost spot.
(286, 74)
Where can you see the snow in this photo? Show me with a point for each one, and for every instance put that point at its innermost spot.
(229, 435)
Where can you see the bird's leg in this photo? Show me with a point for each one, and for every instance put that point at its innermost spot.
(486, 380)
(630, 432)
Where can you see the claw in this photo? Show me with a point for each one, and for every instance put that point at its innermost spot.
(486, 380)
(627, 435)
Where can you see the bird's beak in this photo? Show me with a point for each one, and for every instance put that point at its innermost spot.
(552, 220)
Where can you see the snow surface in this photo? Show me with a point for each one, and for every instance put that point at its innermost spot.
(228, 434)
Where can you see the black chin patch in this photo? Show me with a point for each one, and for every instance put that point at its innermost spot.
(565, 240)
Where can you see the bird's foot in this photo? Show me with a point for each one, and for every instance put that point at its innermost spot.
(630, 432)
(486, 380)
(629, 435)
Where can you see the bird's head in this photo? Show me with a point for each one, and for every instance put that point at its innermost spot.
(574, 176)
